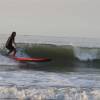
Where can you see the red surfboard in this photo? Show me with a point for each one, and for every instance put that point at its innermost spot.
(31, 59)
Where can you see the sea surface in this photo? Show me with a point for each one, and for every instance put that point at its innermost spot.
(72, 74)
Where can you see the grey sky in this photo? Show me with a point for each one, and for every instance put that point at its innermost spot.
(50, 17)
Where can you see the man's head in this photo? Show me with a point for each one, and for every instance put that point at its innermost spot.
(13, 34)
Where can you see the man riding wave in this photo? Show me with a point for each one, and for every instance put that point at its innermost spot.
(11, 45)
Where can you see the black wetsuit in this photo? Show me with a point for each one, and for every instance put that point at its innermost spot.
(9, 45)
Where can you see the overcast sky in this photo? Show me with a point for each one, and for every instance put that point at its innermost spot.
(51, 17)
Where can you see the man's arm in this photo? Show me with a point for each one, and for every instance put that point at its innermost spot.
(14, 43)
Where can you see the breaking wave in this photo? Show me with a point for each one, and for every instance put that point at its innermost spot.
(72, 74)
(86, 54)
(66, 52)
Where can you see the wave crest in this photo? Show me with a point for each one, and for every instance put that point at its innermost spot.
(85, 54)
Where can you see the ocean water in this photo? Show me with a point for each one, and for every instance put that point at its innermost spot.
(72, 74)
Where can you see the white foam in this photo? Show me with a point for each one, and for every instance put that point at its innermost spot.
(20, 53)
(49, 93)
(46, 85)
(7, 61)
(85, 54)
(35, 78)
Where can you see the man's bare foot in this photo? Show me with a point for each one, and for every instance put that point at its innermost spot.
(11, 55)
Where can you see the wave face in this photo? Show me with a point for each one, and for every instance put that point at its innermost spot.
(60, 54)
(84, 49)
(68, 52)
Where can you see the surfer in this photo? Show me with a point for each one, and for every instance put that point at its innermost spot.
(10, 44)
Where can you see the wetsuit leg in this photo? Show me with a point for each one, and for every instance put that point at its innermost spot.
(11, 49)
(14, 49)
